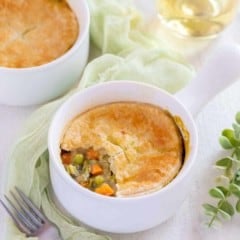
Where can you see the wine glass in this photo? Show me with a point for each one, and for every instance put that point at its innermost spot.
(196, 18)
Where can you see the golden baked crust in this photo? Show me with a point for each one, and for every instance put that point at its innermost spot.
(35, 32)
(143, 141)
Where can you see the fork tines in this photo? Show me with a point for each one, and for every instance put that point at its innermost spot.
(24, 213)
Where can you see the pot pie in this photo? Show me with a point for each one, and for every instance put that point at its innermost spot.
(123, 149)
(36, 32)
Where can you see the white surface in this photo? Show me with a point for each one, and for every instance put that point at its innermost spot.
(188, 223)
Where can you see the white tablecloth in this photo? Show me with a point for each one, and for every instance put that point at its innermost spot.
(188, 223)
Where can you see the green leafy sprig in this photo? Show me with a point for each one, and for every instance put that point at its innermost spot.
(228, 194)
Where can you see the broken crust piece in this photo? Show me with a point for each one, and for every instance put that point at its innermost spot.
(143, 141)
(35, 32)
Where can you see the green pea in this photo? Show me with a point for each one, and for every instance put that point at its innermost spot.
(98, 180)
(78, 159)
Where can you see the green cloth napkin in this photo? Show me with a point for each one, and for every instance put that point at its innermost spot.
(126, 51)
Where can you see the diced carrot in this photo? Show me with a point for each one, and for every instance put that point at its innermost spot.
(92, 154)
(96, 169)
(66, 158)
(105, 189)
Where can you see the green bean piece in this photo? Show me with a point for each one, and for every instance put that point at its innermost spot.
(78, 159)
(72, 170)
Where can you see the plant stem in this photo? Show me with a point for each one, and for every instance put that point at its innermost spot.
(213, 219)
(228, 194)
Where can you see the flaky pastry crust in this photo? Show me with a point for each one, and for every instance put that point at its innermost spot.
(143, 141)
(34, 32)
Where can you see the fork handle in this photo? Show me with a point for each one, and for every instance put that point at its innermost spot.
(49, 233)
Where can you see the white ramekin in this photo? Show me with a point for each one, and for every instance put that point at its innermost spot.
(37, 85)
(119, 215)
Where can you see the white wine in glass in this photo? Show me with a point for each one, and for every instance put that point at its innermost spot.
(196, 18)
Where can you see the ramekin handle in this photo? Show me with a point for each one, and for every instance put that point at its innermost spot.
(219, 71)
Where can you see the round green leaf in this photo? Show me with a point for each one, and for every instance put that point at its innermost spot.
(224, 190)
(226, 207)
(237, 117)
(225, 143)
(216, 193)
(210, 213)
(238, 206)
(235, 189)
(230, 135)
(224, 163)
(224, 214)
(210, 209)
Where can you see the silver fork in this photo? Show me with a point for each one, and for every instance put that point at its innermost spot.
(28, 218)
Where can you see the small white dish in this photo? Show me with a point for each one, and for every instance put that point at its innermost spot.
(37, 85)
(114, 214)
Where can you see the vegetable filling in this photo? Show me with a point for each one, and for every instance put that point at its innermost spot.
(91, 169)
